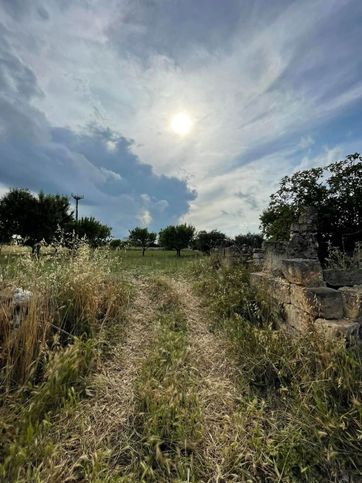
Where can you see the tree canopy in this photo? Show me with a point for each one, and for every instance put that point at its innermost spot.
(35, 218)
(176, 237)
(141, 237)
(335, 191)
(45, 217)
(252, 240)
(205, 241)
(94, 231)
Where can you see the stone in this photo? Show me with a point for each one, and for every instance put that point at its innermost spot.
(297, 318)
(342, 328)
(321, 302)
(303, 271)
(352, 302)
(276, 287)
(342, 278)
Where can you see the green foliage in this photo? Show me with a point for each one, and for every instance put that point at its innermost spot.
(93, 231)
(34, 218)
(141, 237)
(252, 240)
(206, 241)
(176, 237)
(116, 243)
(334, 190)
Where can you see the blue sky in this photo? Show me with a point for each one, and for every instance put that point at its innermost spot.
(88, 91)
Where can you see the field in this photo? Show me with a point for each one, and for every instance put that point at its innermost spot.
(123, 368)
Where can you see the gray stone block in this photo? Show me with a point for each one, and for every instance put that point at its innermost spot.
(342, 277)
(303, 271)
(321, 302)
(343, 328)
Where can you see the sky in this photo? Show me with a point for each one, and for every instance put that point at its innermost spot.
(89, 91)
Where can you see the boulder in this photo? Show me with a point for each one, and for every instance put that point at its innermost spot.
(303, 271)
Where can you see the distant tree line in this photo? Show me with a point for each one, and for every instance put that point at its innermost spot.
(50, 218)
(179, 237)
(46, 217)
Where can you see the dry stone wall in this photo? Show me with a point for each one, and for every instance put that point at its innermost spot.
(293, 277)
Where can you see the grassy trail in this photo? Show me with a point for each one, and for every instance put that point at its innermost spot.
(160, 409)
(216, 384)
(88, 440)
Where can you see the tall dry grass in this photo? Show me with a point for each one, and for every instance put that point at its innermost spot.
(49, 346)
(71, 295)
(300, 407)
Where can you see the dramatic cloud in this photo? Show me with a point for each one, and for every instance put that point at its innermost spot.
(271, 87)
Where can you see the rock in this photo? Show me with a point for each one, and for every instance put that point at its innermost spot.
(342, 278)
(303, 271)
(297, 318)
(321, 302)
(275, 287)
(352, 302)
(349, 330)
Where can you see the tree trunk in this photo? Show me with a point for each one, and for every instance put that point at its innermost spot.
(178, 252)
(143, 251)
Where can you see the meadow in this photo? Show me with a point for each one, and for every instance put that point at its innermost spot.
(125, 368)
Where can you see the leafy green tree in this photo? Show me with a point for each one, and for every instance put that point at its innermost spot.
(141, 237)
(176, 237)
(116, 243)
(252, 240)
(336, 193)
(206, 241)
(33, 217)
(94, 231)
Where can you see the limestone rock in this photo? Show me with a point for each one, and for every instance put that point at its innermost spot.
(352, 302)
(303, 271)
(321, 302)
(342, 278)
(349, 330)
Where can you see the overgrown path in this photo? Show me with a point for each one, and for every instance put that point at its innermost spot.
(216, 383)
(100, 424)
(161, 407)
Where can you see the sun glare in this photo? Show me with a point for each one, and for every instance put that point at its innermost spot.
(181, 124)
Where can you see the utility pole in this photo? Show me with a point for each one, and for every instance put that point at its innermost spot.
(77, 198)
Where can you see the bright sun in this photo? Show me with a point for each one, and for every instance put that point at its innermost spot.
(181, 124)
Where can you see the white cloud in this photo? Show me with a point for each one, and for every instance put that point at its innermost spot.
(244, 100)
(145, 218)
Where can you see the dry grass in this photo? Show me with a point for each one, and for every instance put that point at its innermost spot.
(216, 378)
(88, 440)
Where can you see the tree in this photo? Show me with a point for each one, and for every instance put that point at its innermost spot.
(206, 241)
(141, 237)
(335, 191)
(117, 244)
(251, 240)
(94, 231)
(176, 237)
(34, 218)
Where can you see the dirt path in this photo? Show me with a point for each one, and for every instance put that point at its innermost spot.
(216, 389)
(100, 422)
